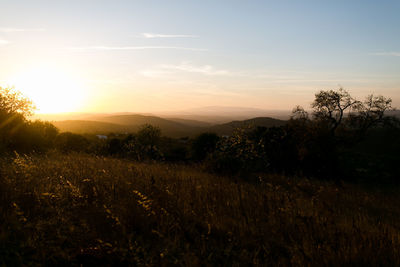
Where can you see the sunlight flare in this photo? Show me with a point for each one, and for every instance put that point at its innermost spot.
(51, 89)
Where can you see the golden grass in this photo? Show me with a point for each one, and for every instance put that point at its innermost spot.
(81, 209)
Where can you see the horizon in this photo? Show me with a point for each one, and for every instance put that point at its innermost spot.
(152, 57)
(223, 115)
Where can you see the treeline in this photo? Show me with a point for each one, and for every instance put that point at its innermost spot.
(342, 138)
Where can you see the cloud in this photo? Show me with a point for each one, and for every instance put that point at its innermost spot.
(156, 35)
(4, 42)
(391, 54)
(7, 30)
(186, 67)
(105, 48)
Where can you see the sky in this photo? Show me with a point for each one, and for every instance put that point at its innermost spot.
(149, 56)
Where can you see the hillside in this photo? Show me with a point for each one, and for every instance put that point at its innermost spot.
(91, 127)
(193, 123)
(228, 128)
(128, 123)
(170, 127)
(104, 211)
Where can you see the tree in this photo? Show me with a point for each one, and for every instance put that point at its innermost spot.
(35, 136)
(13, 102)
(371, 112)
(298, 113)
(67, 142)
(14, 109)
(204, 144)
(149, 135)
(329, 107)
(145, 144)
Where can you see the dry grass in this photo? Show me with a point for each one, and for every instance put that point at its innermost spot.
(80, 209)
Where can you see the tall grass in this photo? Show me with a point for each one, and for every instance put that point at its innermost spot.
(79, 209)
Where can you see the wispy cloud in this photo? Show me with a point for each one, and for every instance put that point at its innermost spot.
(187, 67)
(108, 48)
(7, 30)
(4, 42)
(391, 54)
(157, 35)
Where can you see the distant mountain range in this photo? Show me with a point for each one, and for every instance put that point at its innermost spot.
(220, 114)
(172, 125)
(169, 127)
(92, 127)
(199, 116)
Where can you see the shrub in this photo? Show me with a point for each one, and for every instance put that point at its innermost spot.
(203, 145)
(67, 142)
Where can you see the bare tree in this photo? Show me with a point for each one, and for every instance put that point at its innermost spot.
(330, 106)
(371, 112)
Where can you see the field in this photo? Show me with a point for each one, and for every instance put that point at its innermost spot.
(76, 209)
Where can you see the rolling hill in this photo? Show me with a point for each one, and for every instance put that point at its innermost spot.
(228, 128)
(169, 127)
(91, 127)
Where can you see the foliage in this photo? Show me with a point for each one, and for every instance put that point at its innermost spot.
(13, 111)
(17, 133)
(329, 107)
(371, 113)
(175, 150)
(87, 210)
(37, 136)
(204, 144)
(13, 102)
(67, 142)
(145, 144)
(237, 154)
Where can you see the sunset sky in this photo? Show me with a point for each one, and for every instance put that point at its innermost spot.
(148, 56)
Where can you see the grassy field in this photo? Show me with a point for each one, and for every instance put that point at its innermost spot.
(80, 209)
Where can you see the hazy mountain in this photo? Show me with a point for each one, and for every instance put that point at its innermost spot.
(92, 127)
(193, 123)
(196, 117)
(168, 127)
(62, 116)
(178, 128)
(211, 120)
(220, 114)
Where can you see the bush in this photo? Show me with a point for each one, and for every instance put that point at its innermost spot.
(145, 144)
(238, 154)
(203, 145)
(67, 142)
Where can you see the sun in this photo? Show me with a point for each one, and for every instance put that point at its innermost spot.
(52, 90)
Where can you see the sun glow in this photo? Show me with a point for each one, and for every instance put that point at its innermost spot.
(51, 89)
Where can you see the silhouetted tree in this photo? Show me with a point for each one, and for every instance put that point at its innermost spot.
(114, 146)
(371, 112)
(13, 102)
(38, 135)
(14, 108)
(329, 107)
(238, 154)
(67, 142)
(149, 135)
(204, 144)
(145, 144)
(298, 113)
